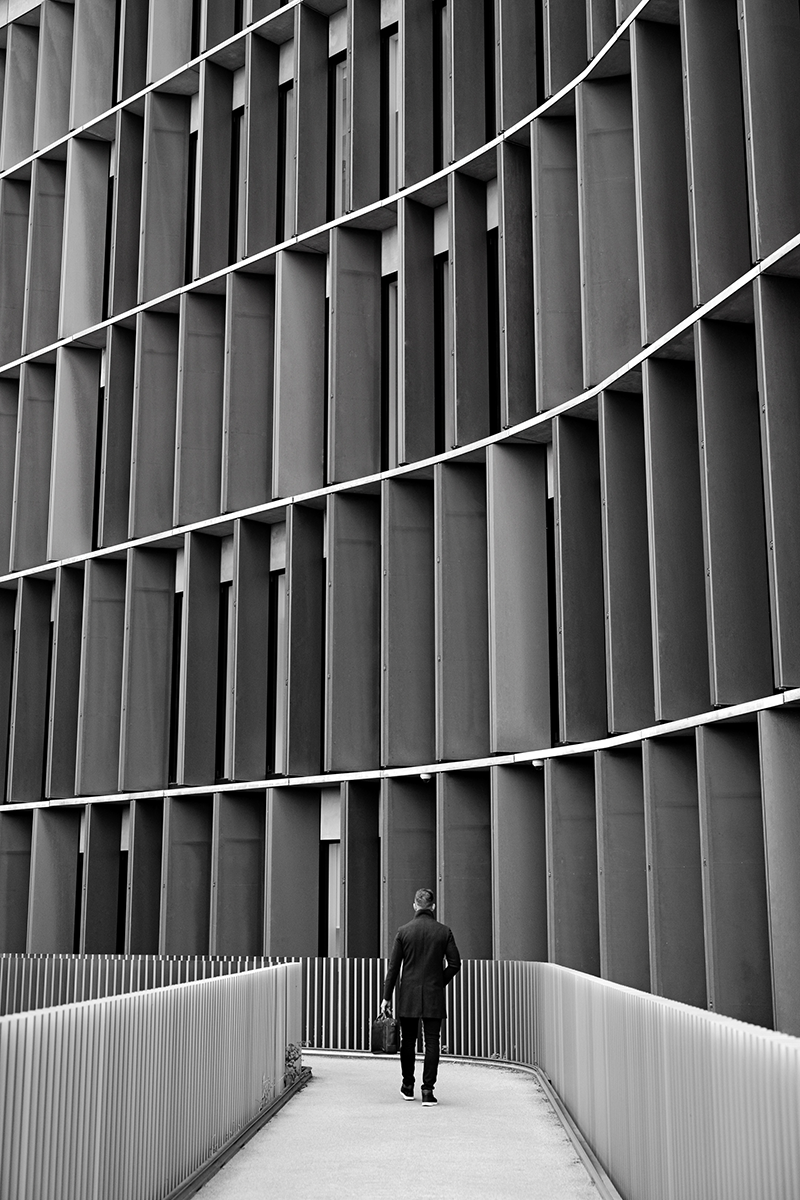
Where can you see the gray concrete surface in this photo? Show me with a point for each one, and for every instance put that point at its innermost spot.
(348, 1134)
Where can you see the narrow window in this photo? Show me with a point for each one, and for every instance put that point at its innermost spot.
(115, 96)
(277, 668)
(238, 16)
(324, 601)
(175, 689)
(540, 96)
(389, 366)
(98, 460)
(489, 68)
(280, 207)
(493, 307)
(442, 354)
(326, 390)
(188, 271)
(334, 899)
(47, 698)
(390, 110)
(78, 917)
(108, 241)
(76, 935)
(441, 86)
(330, 899)
(338, 135)
(286, 162)
(195, 38)
(237, 188)
(122, 901)
(223, 681)
(273, 682)
(439, 304)
(122, 879)
(324, 894)
(5, 734)
(552, 576)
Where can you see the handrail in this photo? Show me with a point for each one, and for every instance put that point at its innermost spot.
(130, 1096)
(33, 981)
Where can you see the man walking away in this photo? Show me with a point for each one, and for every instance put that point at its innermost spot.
(421, 948)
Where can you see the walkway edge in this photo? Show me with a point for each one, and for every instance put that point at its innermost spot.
(209, 1169)
(597, 1172)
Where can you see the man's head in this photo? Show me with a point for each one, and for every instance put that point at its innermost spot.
(423, 901)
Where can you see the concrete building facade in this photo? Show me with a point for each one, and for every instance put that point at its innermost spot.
(399, 479)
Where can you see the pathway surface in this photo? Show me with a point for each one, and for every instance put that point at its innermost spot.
(348, 1134)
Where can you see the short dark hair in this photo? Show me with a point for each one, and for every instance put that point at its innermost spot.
(424, 898)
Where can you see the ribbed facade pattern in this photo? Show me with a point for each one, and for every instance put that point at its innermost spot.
(399, 482)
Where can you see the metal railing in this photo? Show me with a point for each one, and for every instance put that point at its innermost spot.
(341, 996)
(132, 1095)
(677, 1103)
(489, 1005)
(31, 981)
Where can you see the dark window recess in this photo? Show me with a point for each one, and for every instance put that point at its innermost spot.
(237, 126)
(489, 69)
(122, 902)
(386, 35)
(334, 159)
(540, 97)
(98, 468)
(191, 189)
(493, 307)
(238, 16)
(115, 96)
(175, 687)
(553, 635)
(273, 683)
(283, 143)
(47, 692)
(76, 929)
(437, 12)
(6, 733)
(386, 416)
(323, 900)
(195, 40)
(222, 680)
(439, 300)
(107, 247)
(323, 613)
(325, 403)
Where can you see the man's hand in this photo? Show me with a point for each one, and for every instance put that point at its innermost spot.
(385, 1007)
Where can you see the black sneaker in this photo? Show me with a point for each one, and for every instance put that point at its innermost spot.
(407, 1091)
(428, 1098)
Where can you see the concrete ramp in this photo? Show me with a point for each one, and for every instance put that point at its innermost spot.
(349, 1134)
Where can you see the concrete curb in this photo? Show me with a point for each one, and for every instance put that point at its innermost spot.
(209, 1169)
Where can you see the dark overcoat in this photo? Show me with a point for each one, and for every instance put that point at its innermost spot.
(421, 948)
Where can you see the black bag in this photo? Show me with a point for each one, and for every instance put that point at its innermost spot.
(385, 1037)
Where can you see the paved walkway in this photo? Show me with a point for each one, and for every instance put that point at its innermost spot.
(348, 1134)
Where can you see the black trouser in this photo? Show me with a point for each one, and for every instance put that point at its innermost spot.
(409, 1027)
